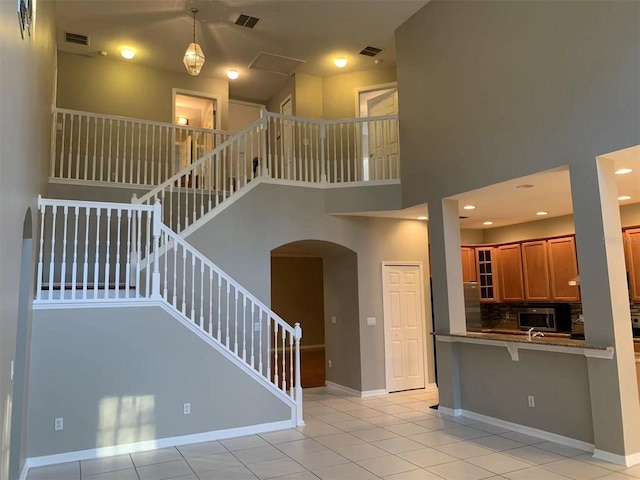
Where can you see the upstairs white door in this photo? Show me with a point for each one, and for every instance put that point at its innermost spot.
(403, 327)
(383, 137)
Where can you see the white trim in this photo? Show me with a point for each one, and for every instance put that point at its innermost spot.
(342, 388)
(25, 471)
(533, 432)
(372, 88)
(288, 98)
(514, 346)
(248, 104)
(97, 183)
(626, 460)
(158, 443)
(190, 93)
(425, 369)
(450, 411)
(302, 347)
(90, 303)
(373, 393)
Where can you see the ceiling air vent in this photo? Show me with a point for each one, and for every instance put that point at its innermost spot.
(370, 51)
(76, 38)
(463, 218)
(247, 21)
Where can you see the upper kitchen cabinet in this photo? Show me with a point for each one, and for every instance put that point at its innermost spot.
(510, 273)
(469, 265)
(563, 267)
(632, 243)
(486, 261)
(536, 271)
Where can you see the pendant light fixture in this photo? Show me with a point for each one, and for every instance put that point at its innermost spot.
(193, 57)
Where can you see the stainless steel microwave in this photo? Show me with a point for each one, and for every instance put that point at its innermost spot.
(544, 319)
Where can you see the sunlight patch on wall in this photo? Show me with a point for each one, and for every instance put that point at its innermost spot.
(126, 419)
(6, 438)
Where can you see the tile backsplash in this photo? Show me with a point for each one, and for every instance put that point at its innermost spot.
(504, 315)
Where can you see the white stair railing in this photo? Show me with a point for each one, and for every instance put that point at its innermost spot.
(229, 314)
(285, 148)
(106, 148)
(92, 251)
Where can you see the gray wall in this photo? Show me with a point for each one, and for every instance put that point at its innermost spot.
(114, 87)
(139, 366)
(491, 91)
(240, 240)
(562, 400)
(26, 81)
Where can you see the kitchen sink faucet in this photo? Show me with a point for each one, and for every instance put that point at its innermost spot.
(531, 334)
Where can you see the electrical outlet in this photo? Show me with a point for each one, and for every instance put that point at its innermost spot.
(371, 321)
(334, 320)
(507, 316)
(187, 409)
(532, 401)
(329, 362)
(58, 423)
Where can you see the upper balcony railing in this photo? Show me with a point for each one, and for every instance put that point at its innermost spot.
(106, 148)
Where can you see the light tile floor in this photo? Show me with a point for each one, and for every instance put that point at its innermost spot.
(394, 437)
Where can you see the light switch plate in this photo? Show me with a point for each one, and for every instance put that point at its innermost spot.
(371, 321)
(334, 320)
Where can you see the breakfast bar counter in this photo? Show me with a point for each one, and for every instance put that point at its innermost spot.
(514, 342)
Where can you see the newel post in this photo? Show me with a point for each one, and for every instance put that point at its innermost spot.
(265, 164)
(157, 222)
(299, 416)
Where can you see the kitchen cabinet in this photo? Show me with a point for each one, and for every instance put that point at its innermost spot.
(563, 266)
(510, 273)
(469, 264)
(535, 267)
(632, 244)
(486, 261)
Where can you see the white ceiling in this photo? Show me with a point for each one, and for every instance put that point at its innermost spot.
(506, 204)
(316, 31)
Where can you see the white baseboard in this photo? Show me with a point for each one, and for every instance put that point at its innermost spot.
(373, 393)
(342, 388)
(626, 460)
(533, 432)
(155, 444)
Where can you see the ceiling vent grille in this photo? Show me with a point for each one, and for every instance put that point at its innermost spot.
(370, 51)
(247, 21)
(76, 38)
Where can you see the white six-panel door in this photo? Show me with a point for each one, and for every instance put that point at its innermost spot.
(404, 327)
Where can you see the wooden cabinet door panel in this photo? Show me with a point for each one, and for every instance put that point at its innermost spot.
(536, 271)
(469, 264)
(510, 273)
(632, 243)
(563, 266)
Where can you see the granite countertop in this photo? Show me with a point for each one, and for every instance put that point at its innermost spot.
(518, 338)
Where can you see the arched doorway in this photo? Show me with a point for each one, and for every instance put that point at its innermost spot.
(316, 283)
(20, 365)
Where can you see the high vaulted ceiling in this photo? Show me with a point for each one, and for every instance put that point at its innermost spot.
(315, 31)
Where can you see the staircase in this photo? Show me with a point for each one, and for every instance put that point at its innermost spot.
(104, 253)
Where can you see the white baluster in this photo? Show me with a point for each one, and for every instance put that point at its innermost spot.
(184, 280)
(284, 359)
(153, 154)
(138, 251)
(107, 261)
(52, 258)
(127, 275)
(155, 279)
(63, 266)
(244, 327)
(175, 274)
(102, 152)
(253, 329)
(117, 159)
(210, 301)
(74, 268)
(96, 266)
(70, 159)
(118, 246)
(95, 147)
(260, 341)
(227, 315)
(275, 350)
(291, 365)
(78, 151)
(43, 210)
(139, 164)
(146, 153)
(219, 305)
(109, 174)
(62, 142)
(133, 131)
(235, 326)
(323, 151)
(85, 266)
(193, 288)
(147, 248)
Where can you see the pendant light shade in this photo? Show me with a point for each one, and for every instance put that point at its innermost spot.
(193, 57)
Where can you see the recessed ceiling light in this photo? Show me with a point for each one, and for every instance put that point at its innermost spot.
(233, 74)
(487, 223)
(622, 171)
(340, 62)
(128, 53)
(542, 213)
(624, 197)
(525, 185)
(469, 207)
(423, 218)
